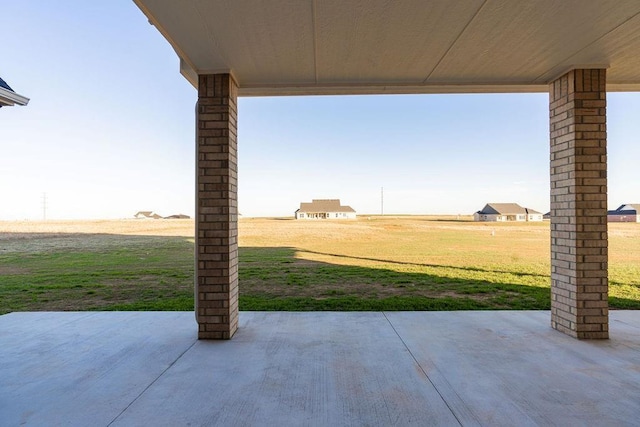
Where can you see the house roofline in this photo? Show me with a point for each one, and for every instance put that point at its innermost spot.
(9, 98)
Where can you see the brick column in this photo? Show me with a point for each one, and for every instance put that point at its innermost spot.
(216, 287)
(579, 279)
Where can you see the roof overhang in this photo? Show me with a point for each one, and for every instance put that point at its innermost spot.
(9, 98)
(306, 47)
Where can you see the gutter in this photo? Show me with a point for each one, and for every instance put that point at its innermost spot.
(9, 97)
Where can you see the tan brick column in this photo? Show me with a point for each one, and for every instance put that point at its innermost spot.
(216, 287)
(579, 279)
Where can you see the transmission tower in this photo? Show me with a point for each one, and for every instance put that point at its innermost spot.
(44, 206)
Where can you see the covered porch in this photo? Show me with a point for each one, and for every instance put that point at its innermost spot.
(316, 369)
(574, 50)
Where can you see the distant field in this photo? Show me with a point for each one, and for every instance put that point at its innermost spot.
(373, 263)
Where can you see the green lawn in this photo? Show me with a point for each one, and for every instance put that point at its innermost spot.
(401, 263)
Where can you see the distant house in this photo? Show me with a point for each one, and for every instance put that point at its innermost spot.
(325, 209)
(178, 216)
(625, 213)
(147, 215)
(8, 97)
(503, 212)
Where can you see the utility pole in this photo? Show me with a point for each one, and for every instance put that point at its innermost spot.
(44, 206)
(381, 201)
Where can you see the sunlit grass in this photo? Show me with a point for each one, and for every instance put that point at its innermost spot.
(406, 263)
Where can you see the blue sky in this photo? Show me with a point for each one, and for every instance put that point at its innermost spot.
(110, 131)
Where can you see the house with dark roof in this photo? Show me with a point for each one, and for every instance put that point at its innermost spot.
(8, 97)
(325, 209)
(625, 213)
(503, 212)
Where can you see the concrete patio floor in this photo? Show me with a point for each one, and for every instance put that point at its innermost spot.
(316, 369)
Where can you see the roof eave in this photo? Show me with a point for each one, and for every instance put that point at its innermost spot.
(9, 98)
(385, 89)
(302, 89)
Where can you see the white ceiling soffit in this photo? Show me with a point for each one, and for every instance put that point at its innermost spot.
(285, 47)
(9, 98)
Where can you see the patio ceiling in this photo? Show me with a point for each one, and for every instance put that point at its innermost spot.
(284, 47)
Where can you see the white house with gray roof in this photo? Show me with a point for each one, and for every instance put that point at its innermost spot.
(503, 212)
(325, 209)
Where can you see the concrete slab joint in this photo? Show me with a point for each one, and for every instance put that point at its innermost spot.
(579, 241)
(216, 279)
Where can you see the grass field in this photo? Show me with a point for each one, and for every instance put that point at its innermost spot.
(374, 263)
